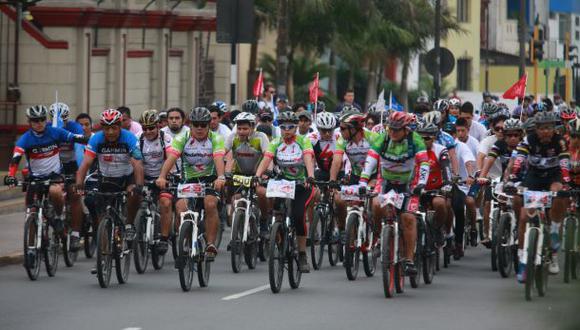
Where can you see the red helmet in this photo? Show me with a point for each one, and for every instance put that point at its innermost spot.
(111, 117)
(399, 120)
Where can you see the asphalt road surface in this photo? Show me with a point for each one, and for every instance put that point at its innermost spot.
(468, 295)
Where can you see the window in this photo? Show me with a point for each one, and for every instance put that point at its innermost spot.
(577, 35)
(577, 21)
(464, 74)
(463, 11)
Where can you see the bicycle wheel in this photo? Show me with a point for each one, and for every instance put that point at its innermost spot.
(531, 262)
(332, 236)
(493, 221)
(223, 218)
(141, 253)
(387, 261)
(251, 245)
(504, 249)
(294, 274)
(184, 261)
(418, 260)
(90, 242)
(122, 253)
(429, 251)
(569, 230)
(399, 278)
(236, 249)
(157, 259)
(174, 235)
(203, 264)
(69, 256)
(542, 271)
(50, 249)
(277, 257)
(316, 234)
(368, 256)
(351, 251)
(104, 251)
(32, 256)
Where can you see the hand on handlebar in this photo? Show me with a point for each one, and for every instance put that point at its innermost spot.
(161, 183)
(10, 181)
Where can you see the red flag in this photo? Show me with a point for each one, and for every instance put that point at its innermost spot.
(314, 90)
(259, 85)
(518, 89)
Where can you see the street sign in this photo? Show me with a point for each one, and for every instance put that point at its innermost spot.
(447, 62)
(235, 21)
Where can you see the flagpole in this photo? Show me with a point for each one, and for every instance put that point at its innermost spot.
(523, 97)
(316, 103)
(261, 79)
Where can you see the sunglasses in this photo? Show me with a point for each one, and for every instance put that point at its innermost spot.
(37, 120)
(199, 125)
(396, 130)
(287, 127)
(149, 128)
(428, 137)
(498, 129)
(510, 135)
(325, 131)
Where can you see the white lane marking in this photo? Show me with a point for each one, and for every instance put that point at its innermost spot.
(132, 329)
(246, 293)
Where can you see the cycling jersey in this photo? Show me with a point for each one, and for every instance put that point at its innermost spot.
(289, 156)
(446, 140)
(168, 136)
(542, 157)
(397, 159)
(198, 156)
(501, 151)
(438, 158)
(323, 149)
(42, 150)
(357, 152)
(575, 166)
(153, 155)
(114, 157)
(247, 154)
(67, 149)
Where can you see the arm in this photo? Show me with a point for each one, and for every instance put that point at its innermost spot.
(454, 161)
(229, 162)
(309, 163)
(480, 160)
(138, 172)
(218, 160)
(445, 167)
(264, 164)
(85, 166)
(336, 165)
(371, 163)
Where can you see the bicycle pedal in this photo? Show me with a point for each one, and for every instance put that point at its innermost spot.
(94, 271)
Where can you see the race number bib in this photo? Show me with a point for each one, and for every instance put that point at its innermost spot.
(241, 180)
(281, 189)
(537, 199)
(191, 190)
(392, 198)
(350, 193)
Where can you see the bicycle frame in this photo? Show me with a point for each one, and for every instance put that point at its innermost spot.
(536, 219)
(244, 204)
(152, 208)
(571, 214)
(39, 202)
(193, 217)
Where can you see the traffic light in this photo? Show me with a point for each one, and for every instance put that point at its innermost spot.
(537, 45)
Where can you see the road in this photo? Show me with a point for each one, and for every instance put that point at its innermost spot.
(468, 295)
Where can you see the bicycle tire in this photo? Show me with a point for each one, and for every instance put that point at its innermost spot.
(493, 239)
(89, 233)
(157, 259)
(50, 250)
(504, 251)
(251, 245)
(399, 278)
(570, 230)
(69, 257)
(437, 260)
(387, 261)
(542, 272)
(276, 258)
(531, 263)
(222, 220)
(32, 257)
(123, 259)
(447, 253)
(369, 259)
(104, 252)
(141, 246)
(351, 251)
(418, 260)
(203, 264)
(429, 250)
(174, 236)
(184, 260)
(316, 234)
(294, 274)
(236, 249)
(333, 241)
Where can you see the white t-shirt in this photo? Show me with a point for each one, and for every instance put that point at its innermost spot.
(484, 148)
(223, 130)
(472, 144)
(464, 156)
(168, 136)
(477, 130)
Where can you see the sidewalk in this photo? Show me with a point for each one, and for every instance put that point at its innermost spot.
(11, 224)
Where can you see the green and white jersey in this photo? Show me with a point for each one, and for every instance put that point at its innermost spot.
(357, 152)
(198, 156)
(289, 156)
(247, 154)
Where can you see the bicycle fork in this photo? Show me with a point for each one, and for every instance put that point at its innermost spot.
(540, 243)
(195, 229)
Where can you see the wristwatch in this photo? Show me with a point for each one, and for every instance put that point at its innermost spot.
(221, 177)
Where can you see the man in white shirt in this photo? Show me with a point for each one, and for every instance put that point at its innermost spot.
(128, 123)
(215, 123)
(477, 130)
(267, 100)
(463, 135)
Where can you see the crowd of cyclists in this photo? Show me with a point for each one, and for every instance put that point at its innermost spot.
(445, 146)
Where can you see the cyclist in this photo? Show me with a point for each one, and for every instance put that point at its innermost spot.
(119, 162)
(396, 152)
(566, 115)
(247, 149)
(324, 144)
(217, 110)
(574, 145)
(162, 119)
(294, 156)
(69, 168)
(305, 123)
(475, 128)
(153, 148)
(454, 107)
(202, 153)
(40, 145)
(462, 128)
(548, 169)
(175, 126)
(128, 123)
(442, 106)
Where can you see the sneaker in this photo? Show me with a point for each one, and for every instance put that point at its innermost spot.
(458, 252)
(75, 243)
(130, 232)
(211, 252)
(486, 242)
(521, 273)
(554, 267)
(303, 265)
(410, 268)
(161, 247)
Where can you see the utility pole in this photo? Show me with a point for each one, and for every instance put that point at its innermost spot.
(282, 48)
(486, 3)
(536, 59)
(233, 54)
(437, 76)
(568, 95)
(522, 39)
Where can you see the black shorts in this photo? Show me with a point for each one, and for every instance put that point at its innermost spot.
(541, 180)
(30, 192)
(110, 184)
(70, 168)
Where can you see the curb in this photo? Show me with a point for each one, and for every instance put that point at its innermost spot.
(12, 206)
(13, 259)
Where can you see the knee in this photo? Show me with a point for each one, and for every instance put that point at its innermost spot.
(164, 203)
(408, 220)
(470, 202)
(210, 203)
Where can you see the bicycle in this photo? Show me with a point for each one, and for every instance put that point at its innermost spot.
(147, 231)
(112, 240)
(324, 228)
(571, 238)
(359, 233)
(41, 238)
(506, 234)
(245, 235)
(426, 253)
(191, 242)
(283, 244)
(89, 228)
(69, 256)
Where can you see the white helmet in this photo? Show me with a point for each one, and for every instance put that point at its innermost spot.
(433, 117)
(245, 116)
(325, 120)
(60, 108)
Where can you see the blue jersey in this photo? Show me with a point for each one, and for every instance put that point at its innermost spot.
(114, 157)
(67, 149)
(446, 140)
(42, 150)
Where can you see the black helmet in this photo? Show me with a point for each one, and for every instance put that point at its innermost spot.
(250, 106)
(200, 115)
(287, 116)
(545, 117)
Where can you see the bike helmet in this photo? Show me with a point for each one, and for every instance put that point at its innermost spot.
(433, 117)
(566, 113)
(149, 118)
(200, 115)
(59, 108)
(372, 108)
(513, 124)
(424, 127)
(325, 120)
(287, 117)
(574, 127)
(449, 128)
(398, 120)
(455, 102)
(545, 117)
(489, 109)
(320, 106)
(441, 105)
(245, 117)
(422, 99)
(163, 115)
(36, 111)
(500, 114)
(111, 117)
(352, 117)
(222, 106)
(250, 106)
(486, 94)
(548, 104)
(502, 106)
